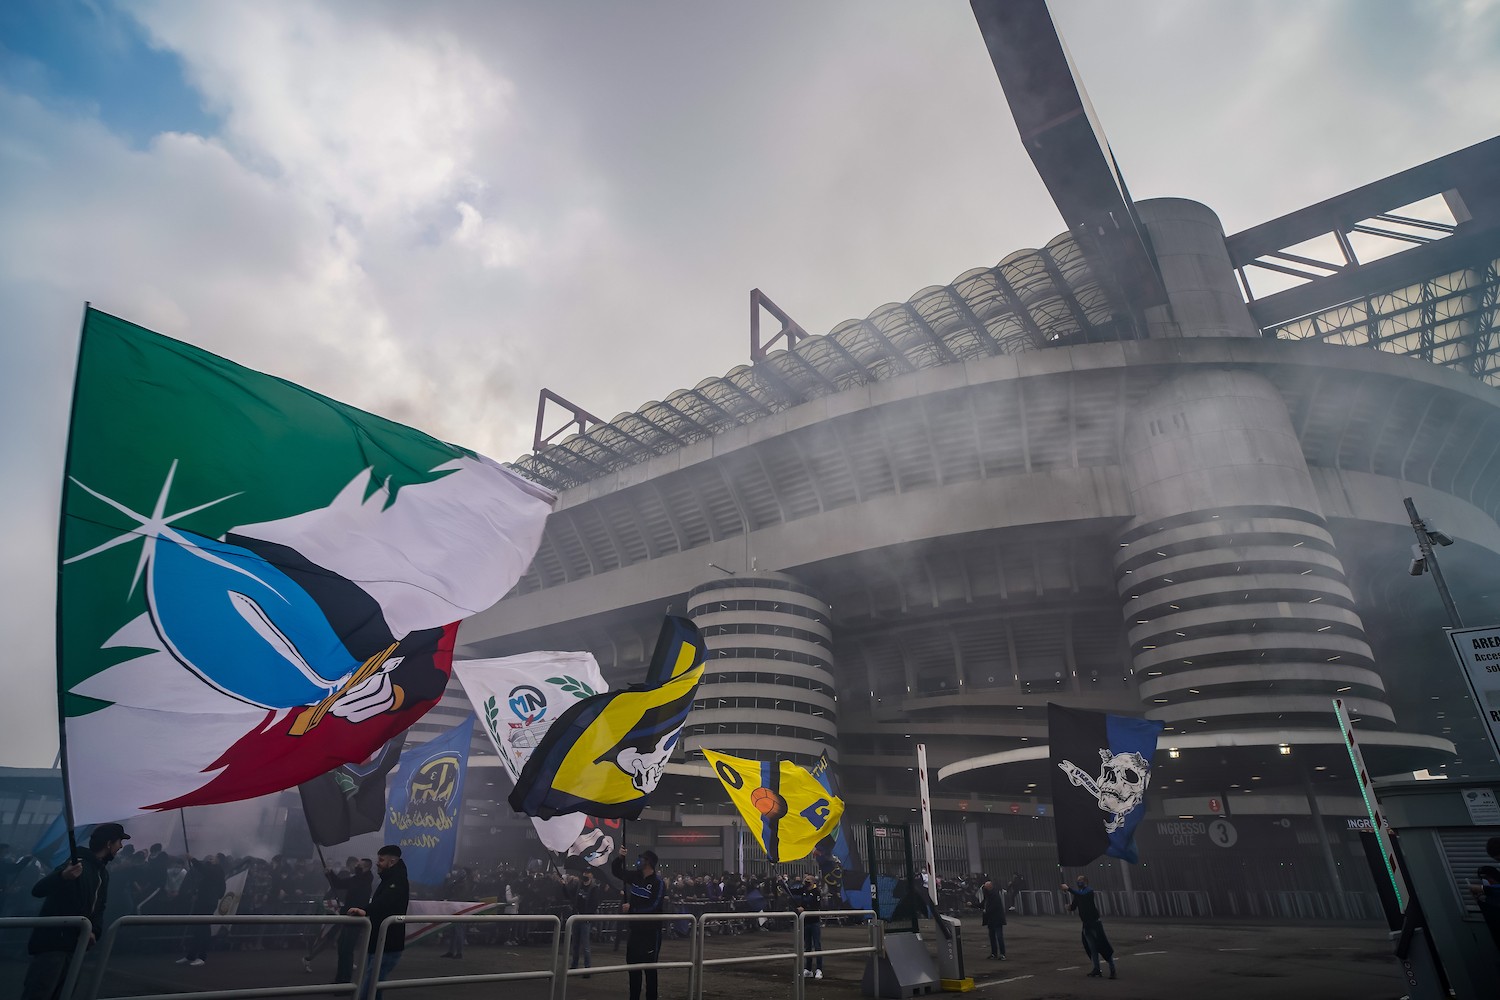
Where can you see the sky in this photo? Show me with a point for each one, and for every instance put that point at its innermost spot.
(434, 210)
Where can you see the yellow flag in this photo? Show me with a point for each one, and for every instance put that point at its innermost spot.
(783, 805)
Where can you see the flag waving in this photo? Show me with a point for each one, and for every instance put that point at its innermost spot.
(605, 756)
(350, 799)
(1101, 767)
(518, 698)
(257, 583)
(783, 805)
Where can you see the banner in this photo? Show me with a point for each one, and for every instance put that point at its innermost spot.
(784, 806)
(257, 583)
(605, 756)
(842, 877)
(441, 908)
(426, 806)
(229, 903)
(519, 698)
(350, 799)
(1101, 767)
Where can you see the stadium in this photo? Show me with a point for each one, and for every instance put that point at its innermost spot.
(1149, 468)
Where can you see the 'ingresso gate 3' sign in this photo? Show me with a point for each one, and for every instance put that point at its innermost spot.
(1478, 651)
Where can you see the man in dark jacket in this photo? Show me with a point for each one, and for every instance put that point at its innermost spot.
(352, 888)
(808, 899)
(79, 888)
(1095, 942)
(644, 893)
(992, 903)
(586, 897)
(202, 889)
(390, 899)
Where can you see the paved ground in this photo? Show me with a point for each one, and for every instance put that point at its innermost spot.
(1225, 961)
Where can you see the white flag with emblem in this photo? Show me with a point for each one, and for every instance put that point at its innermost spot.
(518, 698)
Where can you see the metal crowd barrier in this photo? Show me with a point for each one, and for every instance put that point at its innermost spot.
(188, 920)
(80, 946)
(1037, 902)
(799, 982)
(701, 932)
(624, 918)
(470, 918)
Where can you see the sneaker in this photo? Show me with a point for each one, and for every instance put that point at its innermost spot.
(182, 961)
(196, 962)
(806, 973)
(1111, 973)
(1002, 958)
(993, 955)
(1095, 974)
(818, 974)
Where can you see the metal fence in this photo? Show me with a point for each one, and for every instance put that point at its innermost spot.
(80, 944)
(549, 921)
(799, 982)
(584, 919)
(112, 936)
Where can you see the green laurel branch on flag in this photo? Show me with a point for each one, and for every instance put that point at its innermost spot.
(572, 686)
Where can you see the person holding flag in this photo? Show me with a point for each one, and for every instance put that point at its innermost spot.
(79, 888)
(644, 892)
(390, 899)
(1083, 901)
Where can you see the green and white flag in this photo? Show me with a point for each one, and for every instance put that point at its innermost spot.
(257, 583)
(517, 699)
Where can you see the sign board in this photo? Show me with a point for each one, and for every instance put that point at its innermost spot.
(1478, 652)
(1484, 810)
(1361, 824)
(1223, 833)
(1213, 805)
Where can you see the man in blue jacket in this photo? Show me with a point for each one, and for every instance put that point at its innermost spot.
(644, 893)
(1095, 942)
(79, 888)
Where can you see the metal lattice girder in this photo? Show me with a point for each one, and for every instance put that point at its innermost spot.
(1029, 299)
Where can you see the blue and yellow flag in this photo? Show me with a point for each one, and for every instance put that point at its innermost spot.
(604, 756)
(783, 805)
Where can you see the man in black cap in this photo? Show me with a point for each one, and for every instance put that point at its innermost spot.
(644, 893)
(79, 888)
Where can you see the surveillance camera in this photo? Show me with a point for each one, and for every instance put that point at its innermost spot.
(1439, 536)
(1418, 567)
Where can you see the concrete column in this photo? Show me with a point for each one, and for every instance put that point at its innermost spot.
(1203, 296)
(1340, 903)
(1235, 600)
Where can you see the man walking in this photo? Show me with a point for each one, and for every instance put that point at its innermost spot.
(79, 888)
(992, 903)
(390, 899)
(586, 896)
(644, 893)
(809, 900)
(1095, 942)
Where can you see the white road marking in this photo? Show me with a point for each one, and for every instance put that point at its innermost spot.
(1239, 949)
(1140, 953)
(998, 982)
(1069, 968)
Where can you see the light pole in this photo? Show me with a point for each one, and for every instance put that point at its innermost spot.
(1426, 560)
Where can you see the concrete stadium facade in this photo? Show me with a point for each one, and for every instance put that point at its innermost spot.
(1204, 526)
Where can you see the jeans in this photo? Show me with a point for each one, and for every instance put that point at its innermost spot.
(387, 966)
(997, 939)
(581, 944)
(1096, 943)
(812, 940)
(197, 940)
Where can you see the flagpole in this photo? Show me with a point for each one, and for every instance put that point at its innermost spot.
(182, 818)
(62, 724)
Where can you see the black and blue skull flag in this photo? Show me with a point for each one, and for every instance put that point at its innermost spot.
(1101, 767)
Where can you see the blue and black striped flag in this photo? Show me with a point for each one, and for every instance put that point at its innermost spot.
(1101, 767)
